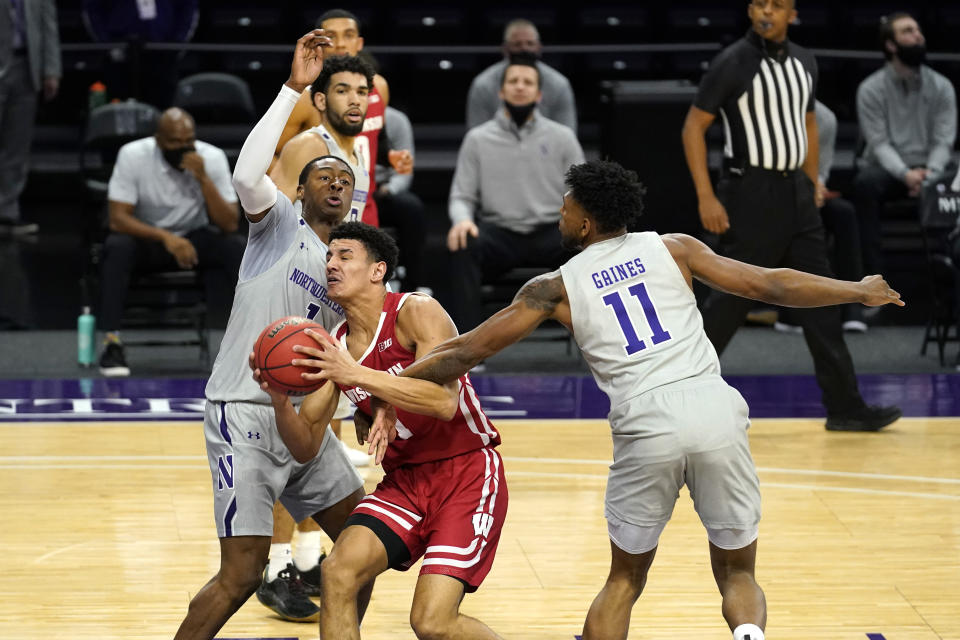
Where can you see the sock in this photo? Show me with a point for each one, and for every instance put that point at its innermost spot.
(279, 559)
(748, 632)
(307, 553)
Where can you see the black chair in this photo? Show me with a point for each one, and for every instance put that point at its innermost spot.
(943, 320)
(216, 97)
(170, 299)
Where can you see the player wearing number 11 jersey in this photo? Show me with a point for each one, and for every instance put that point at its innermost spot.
(628, 300)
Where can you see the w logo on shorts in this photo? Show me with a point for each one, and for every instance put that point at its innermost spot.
(225, 472)
(482, 523)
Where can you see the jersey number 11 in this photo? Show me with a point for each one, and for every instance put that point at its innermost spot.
(634, 343)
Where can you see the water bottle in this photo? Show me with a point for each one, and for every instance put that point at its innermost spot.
(85, 335)
(98, 95)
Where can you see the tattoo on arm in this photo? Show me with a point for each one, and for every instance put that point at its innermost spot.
(543, 293)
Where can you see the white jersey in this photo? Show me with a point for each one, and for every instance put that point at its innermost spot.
(361, 173)
(634, 317)
(283, 273)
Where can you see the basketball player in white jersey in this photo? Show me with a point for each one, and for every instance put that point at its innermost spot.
(341, 93)
(628, 300)
(283, 273)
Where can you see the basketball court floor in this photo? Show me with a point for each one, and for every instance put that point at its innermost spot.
(109, 529)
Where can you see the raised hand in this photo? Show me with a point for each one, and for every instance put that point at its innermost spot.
(307, 60)
(877, 292)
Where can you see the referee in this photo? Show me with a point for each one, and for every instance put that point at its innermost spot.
(764, 86)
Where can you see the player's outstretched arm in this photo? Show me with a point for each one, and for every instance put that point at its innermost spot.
(301, 432)
(294, 156)
(541, 298)
(421, 321)
(784, 287)
(256, 191)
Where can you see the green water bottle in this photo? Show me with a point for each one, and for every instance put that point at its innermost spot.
(86, 328)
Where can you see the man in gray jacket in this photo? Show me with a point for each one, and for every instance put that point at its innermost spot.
(29, 63)
(510, 169)
(520, 37)
(908, 119)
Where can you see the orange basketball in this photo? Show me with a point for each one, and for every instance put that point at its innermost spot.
(273, 352)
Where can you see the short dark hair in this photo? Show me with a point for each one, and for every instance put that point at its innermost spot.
(886, 30)
(336, 64)
(337, 13)
(524, 60)
(378, 243)
(310, 166)
(612, 195)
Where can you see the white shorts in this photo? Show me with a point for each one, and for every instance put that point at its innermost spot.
(252, 468)
(690, 433)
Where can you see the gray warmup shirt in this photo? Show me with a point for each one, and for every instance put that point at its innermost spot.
(907, 122)
(514, 176)
(483, 99)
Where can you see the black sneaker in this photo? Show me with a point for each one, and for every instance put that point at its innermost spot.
(311, 578)
(287, 597)
(872, 418)
(113, 364)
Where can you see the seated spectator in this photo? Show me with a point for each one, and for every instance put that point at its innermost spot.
(399, 207)
(507, 191)
(908, 120)
(171, 206)
(839, 220)
(483, 100)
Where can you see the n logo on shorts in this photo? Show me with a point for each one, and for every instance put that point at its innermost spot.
(482, 523)
(225, 472)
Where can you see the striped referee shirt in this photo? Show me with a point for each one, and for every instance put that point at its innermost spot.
(762, 90)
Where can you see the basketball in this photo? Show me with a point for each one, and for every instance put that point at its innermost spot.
(273, 352)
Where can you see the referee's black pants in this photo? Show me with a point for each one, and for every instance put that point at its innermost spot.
(775, 223)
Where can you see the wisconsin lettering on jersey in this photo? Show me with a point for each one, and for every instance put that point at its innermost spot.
(317, 290)
(373, 124)
(617, 273)
(358, 394)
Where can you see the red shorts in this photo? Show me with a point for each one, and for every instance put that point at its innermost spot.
(450, 512)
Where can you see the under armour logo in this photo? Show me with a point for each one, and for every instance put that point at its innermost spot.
(251, 435)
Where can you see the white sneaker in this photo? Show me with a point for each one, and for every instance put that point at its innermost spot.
(783, 327)
(356, 458)
(855, 326)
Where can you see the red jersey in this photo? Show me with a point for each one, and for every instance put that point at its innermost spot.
(419, 438)
(372, 125)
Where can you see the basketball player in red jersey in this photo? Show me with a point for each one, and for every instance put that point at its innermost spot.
(343, 29)
(444, 496)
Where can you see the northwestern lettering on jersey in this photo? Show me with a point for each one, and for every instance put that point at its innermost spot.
(617, 273)
(316, 289)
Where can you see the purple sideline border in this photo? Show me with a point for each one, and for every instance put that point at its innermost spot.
(530, 396)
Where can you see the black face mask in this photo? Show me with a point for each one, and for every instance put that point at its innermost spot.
(912, 55)
(175, 156)
(520, 113)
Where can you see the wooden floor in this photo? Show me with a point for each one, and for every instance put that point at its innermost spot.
(109, 532)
